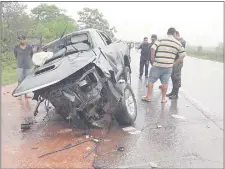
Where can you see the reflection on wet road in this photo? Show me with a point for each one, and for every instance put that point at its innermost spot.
(175, 134)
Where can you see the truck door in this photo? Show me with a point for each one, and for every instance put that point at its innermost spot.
(111, 52)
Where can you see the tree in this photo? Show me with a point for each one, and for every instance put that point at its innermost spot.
(45, 12)
(219, 47)
(14, 21)
(50, 22)
(199, 48)
(92, 18)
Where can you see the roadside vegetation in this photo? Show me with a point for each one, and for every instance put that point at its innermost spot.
(41, 25)
(47, 22)
(213, 53)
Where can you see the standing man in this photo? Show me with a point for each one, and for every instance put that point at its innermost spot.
(163, 60)
(144, 60)
(23, 53)
(153, 39)
(176, 73)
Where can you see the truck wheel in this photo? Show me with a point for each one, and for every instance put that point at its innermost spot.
(127, 75)
(127, 113)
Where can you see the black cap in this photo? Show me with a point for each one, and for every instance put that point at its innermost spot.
(154, 36)
(22, 37)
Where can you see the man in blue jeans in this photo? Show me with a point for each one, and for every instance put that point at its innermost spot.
(163, 61)
(23, 53)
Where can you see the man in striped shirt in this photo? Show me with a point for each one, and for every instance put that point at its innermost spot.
(163, 60)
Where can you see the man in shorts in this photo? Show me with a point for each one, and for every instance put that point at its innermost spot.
(163, 61)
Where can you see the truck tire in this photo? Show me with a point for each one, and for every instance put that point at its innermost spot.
(127, 111)
(127, 75)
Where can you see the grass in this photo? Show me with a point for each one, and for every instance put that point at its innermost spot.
(8, 69)
(207, 55)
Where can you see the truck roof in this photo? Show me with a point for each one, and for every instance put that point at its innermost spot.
(76, 32)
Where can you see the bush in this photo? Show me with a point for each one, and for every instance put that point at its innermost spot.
(216, 55)
(8, 66)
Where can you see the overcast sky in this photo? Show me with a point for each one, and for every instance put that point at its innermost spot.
(199, 23)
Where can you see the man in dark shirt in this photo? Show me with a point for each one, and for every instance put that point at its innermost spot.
(176, 73)
(144, 60)
(23, 53)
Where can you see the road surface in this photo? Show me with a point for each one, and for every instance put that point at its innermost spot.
(187, 133)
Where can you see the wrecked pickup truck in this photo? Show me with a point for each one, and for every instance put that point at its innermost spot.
(86, 76)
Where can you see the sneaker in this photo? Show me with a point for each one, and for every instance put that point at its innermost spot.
(175, 96)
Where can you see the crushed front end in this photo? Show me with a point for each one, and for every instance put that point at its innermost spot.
(85, 96)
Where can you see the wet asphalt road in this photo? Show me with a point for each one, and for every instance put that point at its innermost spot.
(193, 138)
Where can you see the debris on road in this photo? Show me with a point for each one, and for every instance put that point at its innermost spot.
(178, 116)
(153, 165)
(95, 140)
(34, 148)
(65, 131)
(91, 151)
(120, 149)
(159, 126)
(65, 148)
(130, 128)
(68, 145)
(135, 132)
(88, 148)
(106, 140)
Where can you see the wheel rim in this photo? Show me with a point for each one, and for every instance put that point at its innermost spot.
(130, 104)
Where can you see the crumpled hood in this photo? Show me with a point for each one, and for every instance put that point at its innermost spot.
(54, 72)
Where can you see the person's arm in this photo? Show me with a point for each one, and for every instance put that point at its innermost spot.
(140, 46)
(181, 55)
(31, 52)
(183, 42)
(15, 52)
(152, 51)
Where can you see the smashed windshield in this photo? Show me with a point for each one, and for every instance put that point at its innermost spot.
(74, 43)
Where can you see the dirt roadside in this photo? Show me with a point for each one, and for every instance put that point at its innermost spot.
(22, 149)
